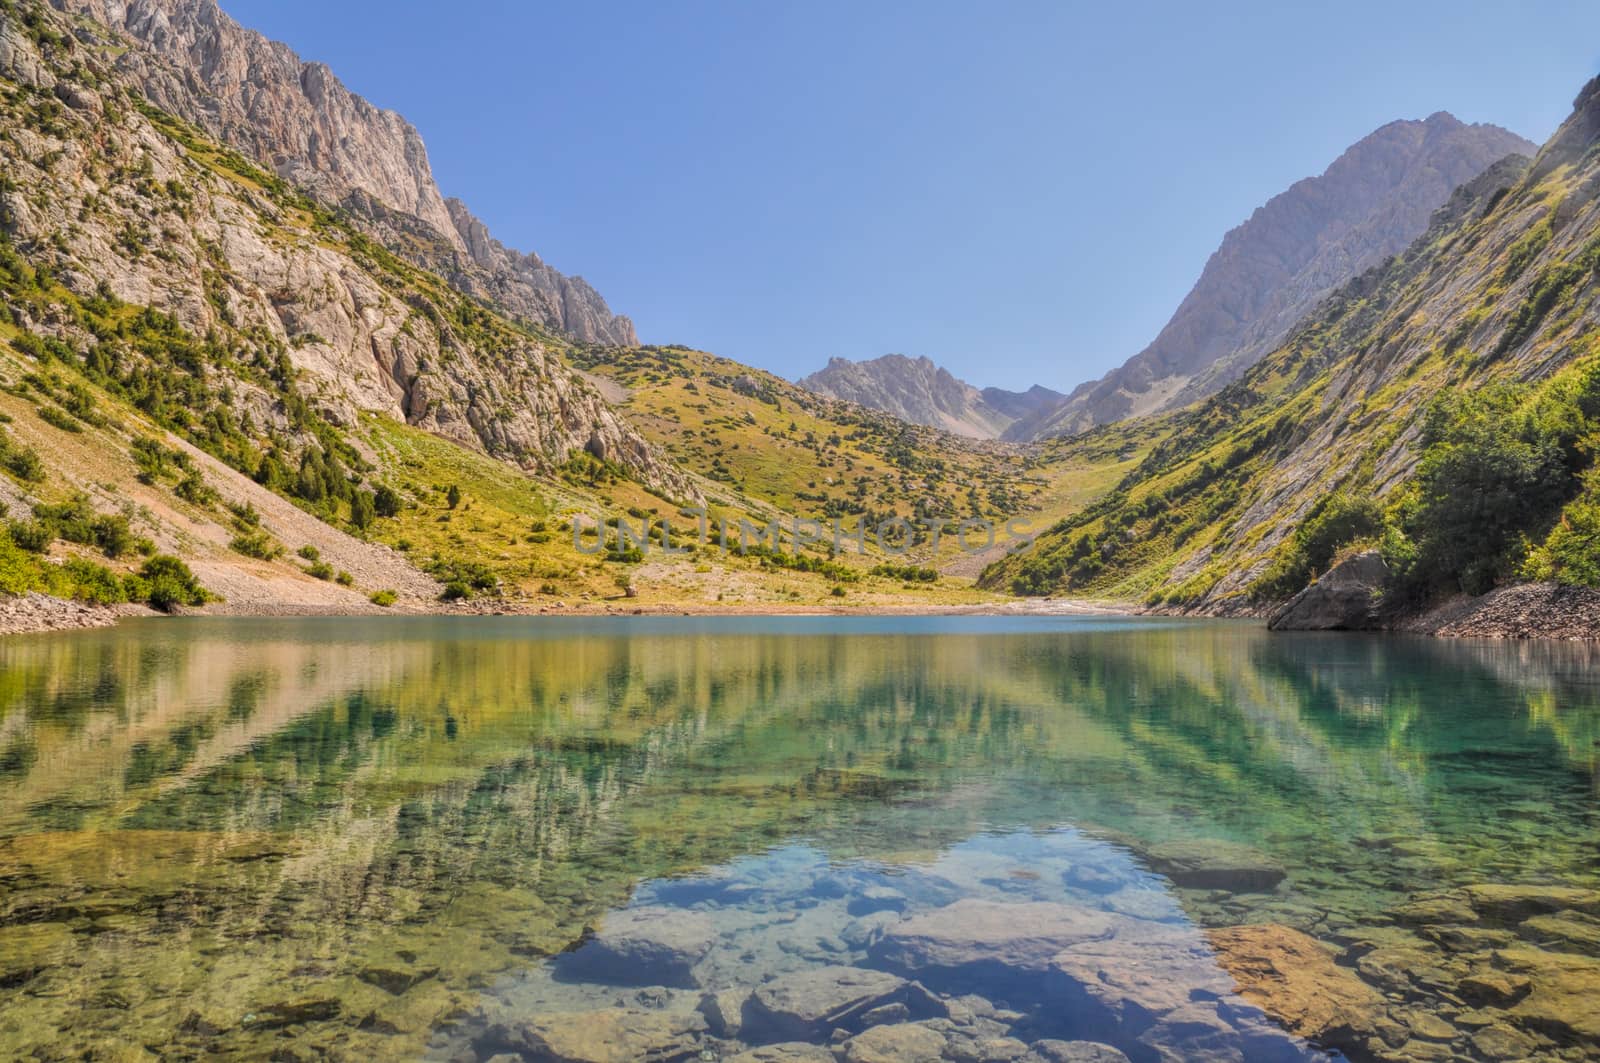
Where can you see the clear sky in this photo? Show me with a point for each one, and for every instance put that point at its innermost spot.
(1023, 191)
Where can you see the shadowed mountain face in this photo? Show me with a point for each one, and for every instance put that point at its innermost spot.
(299, 120)
(917, 390)
(1271, 271)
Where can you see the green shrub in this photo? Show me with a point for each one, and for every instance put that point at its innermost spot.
(58, 418)
(344, 579)
(193, 488)
(1338, 521)
(167, 583)
(386, 501)
(469, 577)
(23, 463)
(92, 583)
(1571, 553)
(33, 536)
(257, 544)
(383, 599)
(320, 570)
(1491, 471)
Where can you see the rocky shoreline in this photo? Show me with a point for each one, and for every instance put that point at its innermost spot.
(33, 612)
(1350, 598)
(1535, 611)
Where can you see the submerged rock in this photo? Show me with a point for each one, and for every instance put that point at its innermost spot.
(643, 946)
(1140, 975)
(809, 1005)
(905, 1042)
(1073, 1052)
(1214, 864)
(1295, 980)
(972, 933)
(607, 1035)
(788, 1052)
(724, 1011)
(1513, 904)
(1563, 993)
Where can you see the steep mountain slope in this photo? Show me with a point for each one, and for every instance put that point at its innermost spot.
(918, 391)
(1371, 203)
(232, 341)
(200, 361)
(298, 120)
(1445, 405)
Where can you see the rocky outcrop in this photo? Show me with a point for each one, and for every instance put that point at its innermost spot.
(123, 209)
(258, 96)
(917, 390)
(1371, 203)
(1346, 599)
(527, 287)
(300, 121)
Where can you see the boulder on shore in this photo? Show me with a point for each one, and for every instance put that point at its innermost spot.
(1345, 599)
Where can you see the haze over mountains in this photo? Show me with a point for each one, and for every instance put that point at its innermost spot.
(1370, 204)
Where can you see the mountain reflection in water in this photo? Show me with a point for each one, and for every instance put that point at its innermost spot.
(688, 839)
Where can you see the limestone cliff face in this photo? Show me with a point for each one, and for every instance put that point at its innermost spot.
(118, 204)
(299, 120)
(1370, 204)
(917, 390)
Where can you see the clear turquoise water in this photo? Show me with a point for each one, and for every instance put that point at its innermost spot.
(384, 839)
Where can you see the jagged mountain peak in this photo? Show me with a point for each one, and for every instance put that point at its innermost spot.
(1270, 271)
(922, 392)
(297, 118)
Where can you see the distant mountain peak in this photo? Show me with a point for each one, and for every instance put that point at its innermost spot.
(920, 391)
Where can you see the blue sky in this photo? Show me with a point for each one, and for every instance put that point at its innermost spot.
(1021, 190)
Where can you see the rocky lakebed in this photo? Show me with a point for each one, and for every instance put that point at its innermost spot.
(1082, 952)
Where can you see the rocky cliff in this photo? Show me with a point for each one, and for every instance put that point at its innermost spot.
(300, 121)
(1370, 204)
(918, 391)
(274, 305)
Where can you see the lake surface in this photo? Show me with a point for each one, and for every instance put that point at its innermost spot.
(958, 838)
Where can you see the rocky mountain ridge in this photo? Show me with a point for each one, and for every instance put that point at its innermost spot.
(124, 205)
(921, 392)
(300, 121)
(1441, 406)
(1273, 269)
